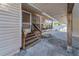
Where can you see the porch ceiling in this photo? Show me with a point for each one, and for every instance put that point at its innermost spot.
(56, 10)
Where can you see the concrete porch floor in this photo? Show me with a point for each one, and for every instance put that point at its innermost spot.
(52, 44)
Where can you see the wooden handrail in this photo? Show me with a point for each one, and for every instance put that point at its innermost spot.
(36, 27)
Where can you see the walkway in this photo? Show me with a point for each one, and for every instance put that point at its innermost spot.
(52, 44)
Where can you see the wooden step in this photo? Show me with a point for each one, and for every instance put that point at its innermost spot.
(32, 34)
(32, 44)
(31, 41)
(30, 38)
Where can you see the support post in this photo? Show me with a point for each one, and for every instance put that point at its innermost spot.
(69, 26)
(69, 31)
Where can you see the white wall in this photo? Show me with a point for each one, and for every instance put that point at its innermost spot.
(76, 20)
(10, 28)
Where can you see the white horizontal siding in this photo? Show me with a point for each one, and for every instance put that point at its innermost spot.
(10, 28)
